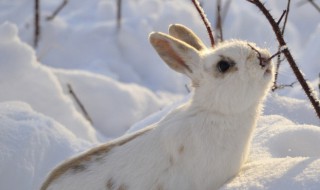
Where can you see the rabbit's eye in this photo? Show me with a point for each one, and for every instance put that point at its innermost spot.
(223, 65)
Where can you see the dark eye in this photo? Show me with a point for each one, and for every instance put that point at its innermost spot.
(223, 65)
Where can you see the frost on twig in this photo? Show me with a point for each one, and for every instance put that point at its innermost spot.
(305, 86)
(205, 20)
(285, 14)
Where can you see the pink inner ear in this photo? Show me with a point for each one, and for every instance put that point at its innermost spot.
(168, 54)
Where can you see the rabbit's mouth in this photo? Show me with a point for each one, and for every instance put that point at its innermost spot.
(268, 71)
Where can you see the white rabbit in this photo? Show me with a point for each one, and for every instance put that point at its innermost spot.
(198, 146)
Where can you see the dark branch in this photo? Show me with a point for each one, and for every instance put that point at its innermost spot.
(219, 21)
(83, 109)
(205, 20)
(286, 17)
(119, 4)
(59, 8)
(319, 84)
(282, 86)
(307, 89)
(37, 29)
(281, 17)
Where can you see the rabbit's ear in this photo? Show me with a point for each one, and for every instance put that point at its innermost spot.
(185, 34)
(178, 55)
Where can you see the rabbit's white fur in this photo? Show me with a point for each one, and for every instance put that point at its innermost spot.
(198, 146)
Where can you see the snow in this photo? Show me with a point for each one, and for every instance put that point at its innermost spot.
(284, 156)
(125, 86)
(31, 144)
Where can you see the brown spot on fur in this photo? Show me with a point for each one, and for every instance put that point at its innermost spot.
(181, 149)
(123, 187)
(78, 168)
(110, 184)
(87, 157)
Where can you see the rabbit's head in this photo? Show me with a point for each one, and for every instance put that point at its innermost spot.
(229, 78)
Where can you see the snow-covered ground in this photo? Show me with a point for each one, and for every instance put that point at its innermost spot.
(120, 80)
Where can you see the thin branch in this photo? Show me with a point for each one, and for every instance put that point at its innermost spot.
(319, 84)
(219, 21)
(37, 28)
(281, 17)
(59, 8)
(286, 17)
(221, 13)
(308, 90)
(282, 86)
(275, 85)
(205, 20)
(83, 109)
(119, 3)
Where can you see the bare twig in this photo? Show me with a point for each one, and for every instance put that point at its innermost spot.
(59, 8)
(281, 17)
(220, 16)
(83, 109)
(37, 29)
(286, 17)
(308, 90)
(282, 86)
(319, 84)
(219, 21)
(205, 20)
(275, 85)
(263, 60)
(119, 3)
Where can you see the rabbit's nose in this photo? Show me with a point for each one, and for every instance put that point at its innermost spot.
(264, 61)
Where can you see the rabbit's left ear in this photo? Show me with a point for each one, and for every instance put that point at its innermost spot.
(184, 34)
(178, 55)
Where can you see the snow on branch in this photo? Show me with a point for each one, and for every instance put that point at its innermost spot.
(284, 15)
(205, 20)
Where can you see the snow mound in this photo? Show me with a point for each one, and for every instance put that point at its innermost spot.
(284, 155)
(113, 106)
(31, 144)
(28, 81)
(297, 110)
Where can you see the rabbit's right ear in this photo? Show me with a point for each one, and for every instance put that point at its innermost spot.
(185, 34)
(178, 55)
